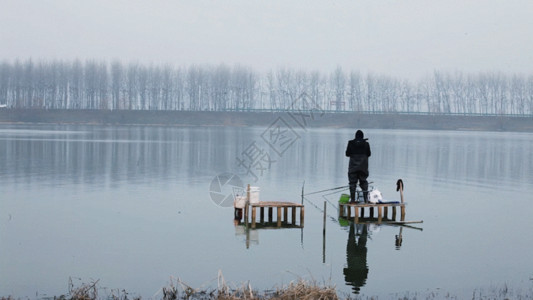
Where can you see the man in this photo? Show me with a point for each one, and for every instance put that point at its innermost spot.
(358, 150)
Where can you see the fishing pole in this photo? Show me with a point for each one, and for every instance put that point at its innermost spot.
(332, 189)
(336, 188)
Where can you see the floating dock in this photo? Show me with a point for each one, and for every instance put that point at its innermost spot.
(282, 213)
(345, 210)
(279, 206)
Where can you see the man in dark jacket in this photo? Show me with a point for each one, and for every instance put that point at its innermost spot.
(358, 150)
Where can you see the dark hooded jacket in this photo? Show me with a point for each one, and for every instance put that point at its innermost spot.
(358, 150)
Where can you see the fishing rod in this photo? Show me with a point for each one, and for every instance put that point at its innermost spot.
(332, 189)
(336, 188)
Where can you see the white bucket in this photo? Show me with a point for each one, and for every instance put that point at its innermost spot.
(254, 194)
(374, 196)
(239, 202)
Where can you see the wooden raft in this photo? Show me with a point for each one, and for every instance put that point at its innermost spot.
(382, 208)
(270, 205)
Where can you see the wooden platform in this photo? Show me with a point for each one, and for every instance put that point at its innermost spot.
(382, 208)
(282, 218)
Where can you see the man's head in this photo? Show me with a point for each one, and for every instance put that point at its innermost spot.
(359, 134)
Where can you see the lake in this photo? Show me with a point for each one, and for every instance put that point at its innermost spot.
(135, 206)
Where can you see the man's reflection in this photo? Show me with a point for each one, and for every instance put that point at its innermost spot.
(356, 272)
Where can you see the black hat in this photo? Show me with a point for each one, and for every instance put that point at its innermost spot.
(359, 134)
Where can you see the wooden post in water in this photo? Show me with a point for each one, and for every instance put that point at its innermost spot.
(380, 213)
(356, 215)
(253, 216)
(279, 216)
(262, 214)
(246, 206)
(302, 216)
(270, 217)
(293, 216)
(324, 236)
(285, 215)
(303, 185)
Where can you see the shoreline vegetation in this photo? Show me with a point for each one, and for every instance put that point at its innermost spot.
(296, 119)
(176, 289)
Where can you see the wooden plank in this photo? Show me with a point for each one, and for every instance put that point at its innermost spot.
(302, 210)
(375, 204)
(276, 204)
(380, 213)
(253, 216)
(246, 214)
(279, 216)
(349, 211)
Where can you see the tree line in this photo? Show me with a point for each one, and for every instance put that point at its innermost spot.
(101, 85)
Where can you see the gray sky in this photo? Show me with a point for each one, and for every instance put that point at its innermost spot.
(407, 38)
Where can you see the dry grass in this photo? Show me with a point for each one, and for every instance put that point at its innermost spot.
(295, 290)
(84, 292)
(300, 289)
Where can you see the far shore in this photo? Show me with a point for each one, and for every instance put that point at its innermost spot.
(266, 118)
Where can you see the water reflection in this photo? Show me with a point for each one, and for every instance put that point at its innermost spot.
(356, 271)
(100, 154)
(357, 268)
(250, 231)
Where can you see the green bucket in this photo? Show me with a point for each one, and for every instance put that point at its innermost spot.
(345, 198)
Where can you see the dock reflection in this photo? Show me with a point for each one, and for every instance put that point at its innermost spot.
(251, 234)
(357, 269)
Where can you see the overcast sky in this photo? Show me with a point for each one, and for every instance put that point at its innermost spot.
(404, 38)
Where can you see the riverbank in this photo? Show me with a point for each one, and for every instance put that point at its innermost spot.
(264, 118)
(176, 289)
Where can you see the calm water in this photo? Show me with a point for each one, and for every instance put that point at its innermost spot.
(131, 206)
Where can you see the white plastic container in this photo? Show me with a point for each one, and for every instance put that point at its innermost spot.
(254, 194)
(239, 202)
